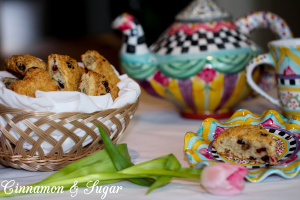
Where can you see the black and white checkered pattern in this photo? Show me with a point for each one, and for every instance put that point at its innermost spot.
(181, 43)
(134, 40)
(288, 81)
(200, 41)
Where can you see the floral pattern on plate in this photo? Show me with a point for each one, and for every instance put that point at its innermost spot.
(198, 145)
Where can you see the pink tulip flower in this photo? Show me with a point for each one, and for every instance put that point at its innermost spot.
(223, 179)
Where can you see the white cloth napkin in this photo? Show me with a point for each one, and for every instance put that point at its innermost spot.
(70, 101)
(65, 101)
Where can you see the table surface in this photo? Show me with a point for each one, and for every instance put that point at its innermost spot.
(156, 130)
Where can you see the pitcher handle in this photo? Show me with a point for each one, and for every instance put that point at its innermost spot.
(264, 19)
(255, 62)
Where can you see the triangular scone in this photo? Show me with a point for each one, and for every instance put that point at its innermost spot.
(92, 60)
(94, 84)
(19, 64)
(247, 142)
(65, 71)
(35, 79)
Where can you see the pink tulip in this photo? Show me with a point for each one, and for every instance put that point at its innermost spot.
(223, 179)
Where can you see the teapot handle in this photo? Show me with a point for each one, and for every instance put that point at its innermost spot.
(264, 19)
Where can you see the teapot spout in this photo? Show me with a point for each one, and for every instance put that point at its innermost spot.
(136, 59)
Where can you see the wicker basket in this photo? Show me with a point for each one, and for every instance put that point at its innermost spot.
(13, 153)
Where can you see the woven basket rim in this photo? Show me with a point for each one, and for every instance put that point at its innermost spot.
(70, 112)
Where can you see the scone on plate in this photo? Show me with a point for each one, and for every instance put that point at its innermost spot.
(247, 142)
(35, 79)
(95, 84)
(92, 60)
(65, 71)
(19, 64)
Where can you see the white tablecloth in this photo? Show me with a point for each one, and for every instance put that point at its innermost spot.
(157, 129)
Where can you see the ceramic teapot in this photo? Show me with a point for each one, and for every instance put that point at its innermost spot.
(199, 62)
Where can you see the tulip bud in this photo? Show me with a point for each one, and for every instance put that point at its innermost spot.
(223, 179)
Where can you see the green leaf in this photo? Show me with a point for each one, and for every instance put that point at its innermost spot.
(161, 181)
(97, 162)
(171, 164)
(167, 165)
(164, 168)
(118, 159)
(192, 171)
(157, 163)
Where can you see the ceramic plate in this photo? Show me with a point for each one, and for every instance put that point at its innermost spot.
(199, 149)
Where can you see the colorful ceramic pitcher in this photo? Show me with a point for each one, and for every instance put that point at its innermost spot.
(199, 62)
(284, 56)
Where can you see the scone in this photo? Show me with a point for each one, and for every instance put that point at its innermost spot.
(35, 79)
(19, 64)
(92, 60)
(94, 84)
(65, 71)
(247, 142)
(8, 81)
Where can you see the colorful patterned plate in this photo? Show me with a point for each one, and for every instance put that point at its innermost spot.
(198, 146)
